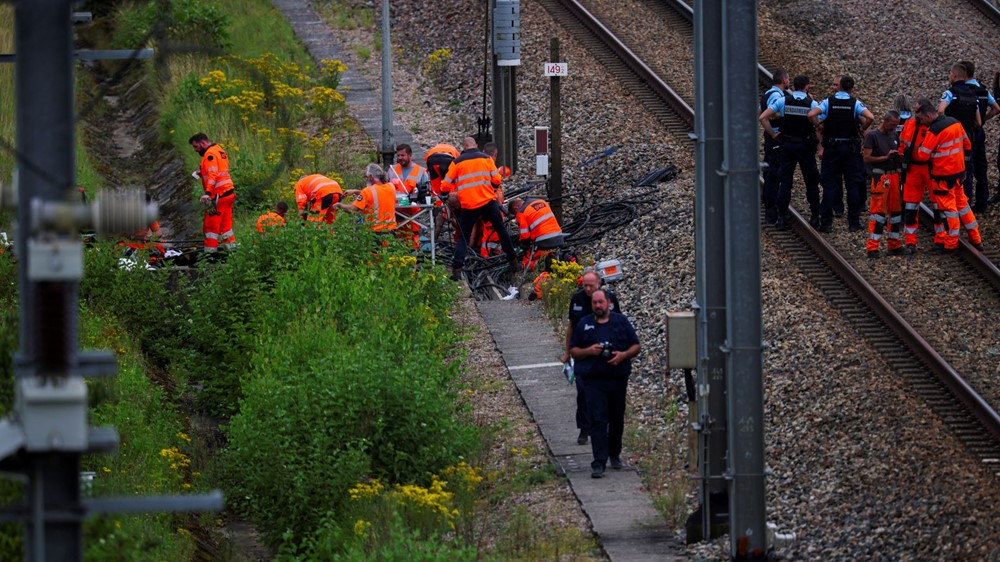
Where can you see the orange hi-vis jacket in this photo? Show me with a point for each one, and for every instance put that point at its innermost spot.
(947, 145)
(438, 160)
(474, 177)
(409, 180)
(904, 141)
(536, 221)
(268, 221)
(214, 172)
(378, 202)
(316, 195)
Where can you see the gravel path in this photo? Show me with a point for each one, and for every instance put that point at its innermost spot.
(861, 469)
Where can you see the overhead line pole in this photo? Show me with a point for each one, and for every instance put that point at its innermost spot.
(388, 149)
(710, 268)
(745, 395)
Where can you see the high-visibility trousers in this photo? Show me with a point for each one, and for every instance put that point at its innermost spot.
(218, 225)
(885, 208)
(943, 195)
(918, 181)
(966, 217)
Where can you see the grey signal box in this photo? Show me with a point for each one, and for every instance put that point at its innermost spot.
(682, 352)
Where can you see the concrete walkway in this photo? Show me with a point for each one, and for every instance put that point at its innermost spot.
(622, 513)
(363, 100)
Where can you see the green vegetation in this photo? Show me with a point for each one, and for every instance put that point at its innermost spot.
(7, 115)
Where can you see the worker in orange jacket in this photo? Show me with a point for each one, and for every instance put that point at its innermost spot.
(539, 230)
(220, 193)
(272, 219)
(948, 147)
(489, 241)
(880, 152)
(471, 183)
(438, 160)
(316, 196)
(411, 178)
(916, 167)
(377, 201)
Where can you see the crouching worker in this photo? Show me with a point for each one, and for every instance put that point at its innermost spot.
(538, 228)
(272, 219)
(603, 345)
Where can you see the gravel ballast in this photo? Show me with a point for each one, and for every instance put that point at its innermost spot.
(861, 469)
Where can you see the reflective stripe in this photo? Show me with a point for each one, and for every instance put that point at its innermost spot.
(880, 171)
(938, 228)
(375, 200)
(474, 184)
(893, 236)
(231, 245)
(227, 234)
(951, 142)
(924, 149)
(939, 154)
(972, 225)
(910, 229)
(212, 169)
(212, 235)
(877, 218)
(540, 220)
(472, 175)
(224, 183)
(874, 236)
(953, 232)
(796, 110)
(965, 210)
(209, 249)
(211, 182)
(895, 219)
(912, 206)
(547, 236)
(524, 231)
(491, 245)
(951, 214)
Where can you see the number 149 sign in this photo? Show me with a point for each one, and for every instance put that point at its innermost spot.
(556, 69)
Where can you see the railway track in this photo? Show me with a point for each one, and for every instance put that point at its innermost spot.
(929, 376)
(989, 9)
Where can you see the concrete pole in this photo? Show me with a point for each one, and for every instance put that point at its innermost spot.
(48, 322)
(555, 139)
(745, 394)
(388, 149)
(710, 256)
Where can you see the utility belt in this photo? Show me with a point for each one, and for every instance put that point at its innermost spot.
(227, 193)
(884, 171)
(838, 142)
(790, 138)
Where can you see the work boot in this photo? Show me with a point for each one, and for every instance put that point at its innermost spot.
(854, 227)
(937, 249)
(770, 215)
(456, 274)
(895, 252)
(827, 228)
(616, 463)
(874, 255)
(909, 249)
(582, 439)
(814, 221)
(598, 471)
(978, 208)
(978, 246)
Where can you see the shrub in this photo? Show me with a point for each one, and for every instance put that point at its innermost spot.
(198, 22)
(349, 375)
(559, 287)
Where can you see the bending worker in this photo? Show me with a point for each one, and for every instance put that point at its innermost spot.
(316, 197)
(538, 227)
(220, 193)
(471, 183)
(377, 201)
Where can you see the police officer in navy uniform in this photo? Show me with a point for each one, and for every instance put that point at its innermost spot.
(772, 154)
(844, 119)
(579, 306)
(603, 345)
(959, 101)
(797, 140)
(988, 109)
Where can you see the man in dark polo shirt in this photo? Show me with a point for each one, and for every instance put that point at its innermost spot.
(603, 345)
(579, 306)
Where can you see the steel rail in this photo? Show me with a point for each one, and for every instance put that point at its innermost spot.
(918, 346)
(640, 68)
(979, 261)
(988, 9)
